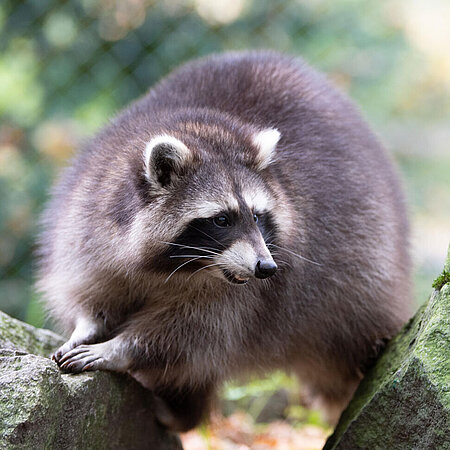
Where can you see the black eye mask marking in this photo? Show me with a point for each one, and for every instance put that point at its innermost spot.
(205, 233)
(267, 227)
(203, 239)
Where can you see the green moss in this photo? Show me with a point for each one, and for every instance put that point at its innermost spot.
(23, 337)
(442, 279)
(447, 262)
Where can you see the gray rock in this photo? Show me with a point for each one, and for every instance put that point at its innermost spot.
(42, 408)
(404, 401)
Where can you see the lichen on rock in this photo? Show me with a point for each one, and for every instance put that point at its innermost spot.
(404, 401)
(42, 408)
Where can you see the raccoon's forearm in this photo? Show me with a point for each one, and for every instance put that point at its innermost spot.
(124, 352)
(87, 330)
(109, 355)
(147, 353)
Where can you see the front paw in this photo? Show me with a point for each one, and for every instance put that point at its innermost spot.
(63, 350)
(83, 358)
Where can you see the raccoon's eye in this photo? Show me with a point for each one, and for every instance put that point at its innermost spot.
(255, 218)
(221, 221)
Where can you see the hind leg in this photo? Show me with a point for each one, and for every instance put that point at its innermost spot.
(327, 389)
(182, 409)
(330, 402)
(179, 409)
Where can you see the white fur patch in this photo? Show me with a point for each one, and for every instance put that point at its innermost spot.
(266, 141)
(257, 200)
(117, 353)
(209, 208)
(181, 152)
(240, 258)
(85, 326)
(206, 209)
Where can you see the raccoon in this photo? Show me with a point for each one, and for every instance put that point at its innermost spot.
(239, 218)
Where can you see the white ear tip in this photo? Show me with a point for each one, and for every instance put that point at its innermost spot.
(173, 149)
(266, 141)
(272, 135)
(165, 139)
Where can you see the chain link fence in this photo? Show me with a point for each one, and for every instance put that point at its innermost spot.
(67, 66)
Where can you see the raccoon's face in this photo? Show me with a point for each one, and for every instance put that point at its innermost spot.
(217, 208)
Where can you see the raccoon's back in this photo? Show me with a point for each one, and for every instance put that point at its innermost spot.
(323, 136)
(263, 88)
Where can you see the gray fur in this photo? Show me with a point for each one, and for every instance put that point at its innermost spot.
(342, 285)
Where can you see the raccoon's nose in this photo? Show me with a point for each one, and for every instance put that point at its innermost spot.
(265, 268)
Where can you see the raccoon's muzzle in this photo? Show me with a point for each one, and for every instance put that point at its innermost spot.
(264, 268)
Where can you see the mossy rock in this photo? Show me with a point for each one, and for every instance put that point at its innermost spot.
(404, 401)
(42, 408)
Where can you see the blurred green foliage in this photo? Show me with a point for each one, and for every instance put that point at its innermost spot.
(256, 394)
(67, 66)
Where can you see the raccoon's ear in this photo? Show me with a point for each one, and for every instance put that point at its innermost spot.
(166, 159)
(265, 141)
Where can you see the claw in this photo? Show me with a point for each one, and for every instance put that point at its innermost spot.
(75, 351)
(107, 355)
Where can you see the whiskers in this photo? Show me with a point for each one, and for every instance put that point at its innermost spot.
(207, 235)
(184, 264)
(277, 256)
(293, 254)
(210, 254)
(201, 249)
(202, 268)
